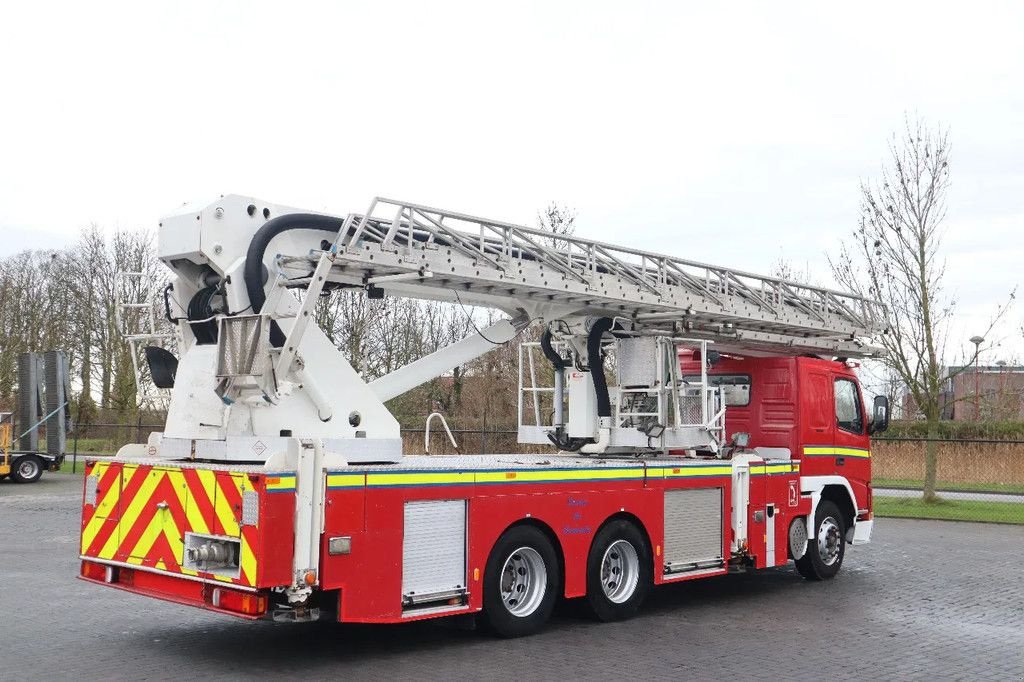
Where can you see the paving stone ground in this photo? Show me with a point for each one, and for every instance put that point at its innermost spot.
(925, 600)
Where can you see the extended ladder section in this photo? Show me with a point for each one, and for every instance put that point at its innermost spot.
(425, 252)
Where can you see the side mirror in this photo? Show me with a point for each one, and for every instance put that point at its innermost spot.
(880, 415)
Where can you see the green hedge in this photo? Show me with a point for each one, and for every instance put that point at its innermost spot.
(950, 430)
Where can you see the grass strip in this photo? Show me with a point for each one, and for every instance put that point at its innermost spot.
(949, 486)
(950, 510)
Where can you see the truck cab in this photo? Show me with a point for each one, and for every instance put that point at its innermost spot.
(805, 408)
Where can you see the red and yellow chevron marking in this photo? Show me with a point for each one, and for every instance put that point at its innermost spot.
(142, 513)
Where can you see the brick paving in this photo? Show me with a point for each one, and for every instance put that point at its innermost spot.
(926, 600)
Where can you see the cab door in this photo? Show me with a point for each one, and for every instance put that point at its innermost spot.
(817, 432)
(852, 444)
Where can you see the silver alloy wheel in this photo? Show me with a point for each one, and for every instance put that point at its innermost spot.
(28, 468)
(620, 571)
(524, 580)
(830, 540)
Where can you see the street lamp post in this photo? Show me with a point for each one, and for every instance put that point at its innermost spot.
(977, 341)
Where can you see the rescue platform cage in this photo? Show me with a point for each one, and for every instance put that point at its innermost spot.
(653, 405)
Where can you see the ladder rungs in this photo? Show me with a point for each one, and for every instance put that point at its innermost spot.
(492, 261)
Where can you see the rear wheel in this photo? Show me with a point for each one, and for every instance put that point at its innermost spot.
(27, 469)
(826, 546)
(618, 571)
(520, 582)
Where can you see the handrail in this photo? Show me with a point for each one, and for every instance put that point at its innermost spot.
(426, 432)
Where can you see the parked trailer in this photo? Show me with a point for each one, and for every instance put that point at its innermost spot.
(23, 467)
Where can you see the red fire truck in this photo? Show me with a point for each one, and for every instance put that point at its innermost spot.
(690, 421)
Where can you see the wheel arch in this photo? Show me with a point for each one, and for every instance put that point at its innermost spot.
(837, 490)
(631, 518)
(839, 496)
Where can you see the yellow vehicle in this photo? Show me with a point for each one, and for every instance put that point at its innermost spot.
(5, 449)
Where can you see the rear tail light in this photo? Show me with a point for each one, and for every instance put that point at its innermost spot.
(239, 602)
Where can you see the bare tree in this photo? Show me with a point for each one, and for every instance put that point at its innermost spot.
(559, 220)
(895, 256)
(36, 308)
(784, 269)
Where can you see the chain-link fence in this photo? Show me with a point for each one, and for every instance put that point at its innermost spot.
(975, 480)
(104, 439)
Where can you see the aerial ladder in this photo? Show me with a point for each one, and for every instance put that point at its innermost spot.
(652, 304)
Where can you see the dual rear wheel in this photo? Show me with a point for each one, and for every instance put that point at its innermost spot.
(522, 578)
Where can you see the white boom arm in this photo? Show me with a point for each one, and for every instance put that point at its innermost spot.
(437, 363)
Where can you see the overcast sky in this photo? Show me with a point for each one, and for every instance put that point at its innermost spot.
(724, 132)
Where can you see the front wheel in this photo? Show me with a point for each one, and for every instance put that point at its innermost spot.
(826, 547)
(520, 583)
(618, 571)
(28, 469)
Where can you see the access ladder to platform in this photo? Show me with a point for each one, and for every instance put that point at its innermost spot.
(135, 315)
(426, 252)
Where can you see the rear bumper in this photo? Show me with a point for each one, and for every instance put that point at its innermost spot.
(226, 599)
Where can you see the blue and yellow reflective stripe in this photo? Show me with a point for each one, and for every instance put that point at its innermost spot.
(345, 480)
(559, 475)
(831, 451)
(281, 483)
(709, 471)
(775, 469)
(391, 479)
(422, 478)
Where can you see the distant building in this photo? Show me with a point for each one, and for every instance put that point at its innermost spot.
(996, 390)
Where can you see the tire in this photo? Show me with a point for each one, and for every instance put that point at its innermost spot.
(27, 469)
(619, 572)
(826, 547)
(521, 583)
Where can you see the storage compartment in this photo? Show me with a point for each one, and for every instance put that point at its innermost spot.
(693, 529)
(434, 554)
